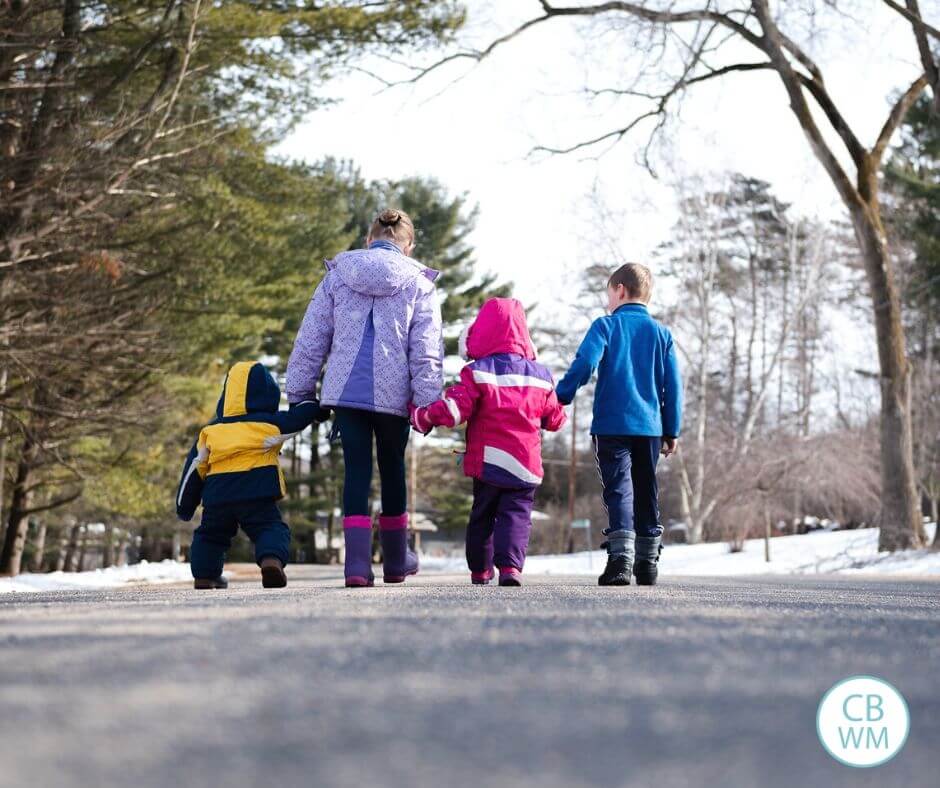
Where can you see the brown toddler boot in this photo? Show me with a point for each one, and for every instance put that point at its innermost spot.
(203, 583)
(272, 572)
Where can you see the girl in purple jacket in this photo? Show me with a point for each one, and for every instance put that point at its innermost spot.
(375, 323)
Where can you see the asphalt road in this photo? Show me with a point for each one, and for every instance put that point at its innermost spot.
(698, 682)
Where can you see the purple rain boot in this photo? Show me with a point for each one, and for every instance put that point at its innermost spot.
(357, 529)
(398, 560)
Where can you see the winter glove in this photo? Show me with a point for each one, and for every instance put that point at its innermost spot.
(419, 419)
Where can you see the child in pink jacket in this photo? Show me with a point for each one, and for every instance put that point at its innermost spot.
(507, 398)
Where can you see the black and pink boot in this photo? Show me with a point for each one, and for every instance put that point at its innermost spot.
(398, 559)
(510, 576)
(357, 530)
(481, 578)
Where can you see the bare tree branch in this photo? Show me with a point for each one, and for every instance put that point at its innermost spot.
(476, 55)
(838, 122)
(898, 111)
(55, 504)
(652, 15)
(913, 16)
(615, 134)
(793, 85)
(927, 59)
(813, 82)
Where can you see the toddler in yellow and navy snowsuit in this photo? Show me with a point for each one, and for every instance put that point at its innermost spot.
(233, 469)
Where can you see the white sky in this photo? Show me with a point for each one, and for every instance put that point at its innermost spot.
(536, 219)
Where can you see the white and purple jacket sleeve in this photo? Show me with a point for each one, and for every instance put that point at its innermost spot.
(426, 350)
(312, 345)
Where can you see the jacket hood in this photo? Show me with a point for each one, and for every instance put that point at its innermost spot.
(381, 270)
(500, 328)
(249, 388)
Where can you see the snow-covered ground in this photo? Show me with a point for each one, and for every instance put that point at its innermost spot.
(818, 552)
(144, 572)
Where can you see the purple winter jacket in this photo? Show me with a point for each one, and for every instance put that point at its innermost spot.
(375, 322)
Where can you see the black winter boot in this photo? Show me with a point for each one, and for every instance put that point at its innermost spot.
(646, 566)
(617, 572)
(620, 549)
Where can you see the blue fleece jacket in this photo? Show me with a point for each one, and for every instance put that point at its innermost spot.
(639, 389)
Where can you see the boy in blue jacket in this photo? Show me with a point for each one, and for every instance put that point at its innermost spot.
(637, 416)
(233, 469)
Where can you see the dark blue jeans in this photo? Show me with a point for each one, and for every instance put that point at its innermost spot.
(260, 520)
(356, 429)
(627, 465)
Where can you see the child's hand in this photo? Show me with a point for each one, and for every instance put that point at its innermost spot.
(419, 419)
(670, 445)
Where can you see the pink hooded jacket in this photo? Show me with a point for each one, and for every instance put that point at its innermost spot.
(505, 396)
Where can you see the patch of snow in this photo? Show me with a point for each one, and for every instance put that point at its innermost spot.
(817, 552)
(143, 573)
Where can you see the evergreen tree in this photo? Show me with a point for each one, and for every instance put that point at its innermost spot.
(141, 228)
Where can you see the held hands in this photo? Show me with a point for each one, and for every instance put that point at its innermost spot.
(670, 446)
(419, 419)
(322, 414)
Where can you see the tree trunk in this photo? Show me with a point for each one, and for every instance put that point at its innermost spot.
(143, 553)
(766, 531)
(573, 463)
(63, 550)
(330, 522)
(901, 521)
(83, 548)
(732, 391)
(313, 556)
(39, 548)
(752, 336)
(108, 553)
(122, 549)
(17, 520)
(177, 548)
(784, 316)
(3, 474)
(314, 451)
(934, 512)
(695, 525)
(4, 377)
(71, 551)
(295, 466)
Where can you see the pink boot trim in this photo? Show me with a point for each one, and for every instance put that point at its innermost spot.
(357, 521)
(397, 523)
(482, 577)
(509, 571)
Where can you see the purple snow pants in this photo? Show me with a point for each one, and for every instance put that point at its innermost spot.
(498, 531)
